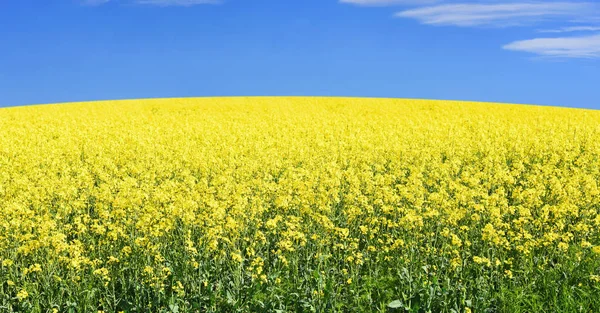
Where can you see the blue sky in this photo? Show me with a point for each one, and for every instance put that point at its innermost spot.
(544, 52)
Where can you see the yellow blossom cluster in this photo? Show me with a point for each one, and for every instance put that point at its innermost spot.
(297, 204)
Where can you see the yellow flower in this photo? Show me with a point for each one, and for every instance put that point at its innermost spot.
(22, 295)
(237, 257)
(456, 241)
(35, 268)
(7, 263)
(148, 270)
(256, 186)
(179, 289)
(482, 260)
(563, 246)
(126, 250)
(456, 262)
(112, 259)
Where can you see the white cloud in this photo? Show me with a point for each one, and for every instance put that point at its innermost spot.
(496, 14)
(571, 29)
(565, 47)
(387, 2)
(574, 15)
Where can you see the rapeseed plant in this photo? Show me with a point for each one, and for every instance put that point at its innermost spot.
(299, 205)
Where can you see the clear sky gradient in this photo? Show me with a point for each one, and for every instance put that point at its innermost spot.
(515, 51)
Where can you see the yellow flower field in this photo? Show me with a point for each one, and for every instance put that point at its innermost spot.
(299, 205)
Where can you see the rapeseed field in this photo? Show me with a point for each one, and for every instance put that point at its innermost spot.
(299, 205)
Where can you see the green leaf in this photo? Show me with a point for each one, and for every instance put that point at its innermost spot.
(395, 304)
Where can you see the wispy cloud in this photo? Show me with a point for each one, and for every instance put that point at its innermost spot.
(571, 29)
(496, 14)
(575, 16)
(562, 47)
(381, 3)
